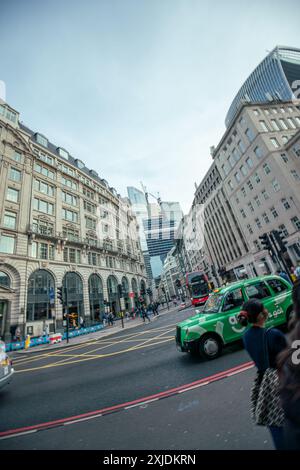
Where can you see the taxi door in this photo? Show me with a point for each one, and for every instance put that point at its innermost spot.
(231, 307)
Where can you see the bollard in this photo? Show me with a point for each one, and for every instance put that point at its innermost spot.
(27, 342)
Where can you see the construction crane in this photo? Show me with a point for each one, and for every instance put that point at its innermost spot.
(157, 198)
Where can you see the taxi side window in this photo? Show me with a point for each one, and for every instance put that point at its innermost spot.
(277, 285)
(233, 299)
(258, 291)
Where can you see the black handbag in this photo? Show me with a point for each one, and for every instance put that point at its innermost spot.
(266, 409)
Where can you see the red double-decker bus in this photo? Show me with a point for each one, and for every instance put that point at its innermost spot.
(197, 284)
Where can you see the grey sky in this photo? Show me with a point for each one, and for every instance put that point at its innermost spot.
(138, 89)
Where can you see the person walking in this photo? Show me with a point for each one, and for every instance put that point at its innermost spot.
(297, 270)
(145, 314)
(289, 373)
(263, 346)
(110, 318)
(104, 318)
(283, 275)
(81, 322)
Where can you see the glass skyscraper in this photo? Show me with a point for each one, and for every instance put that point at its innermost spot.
(274, 79)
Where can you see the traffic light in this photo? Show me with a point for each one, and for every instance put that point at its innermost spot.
(213, 270)
(266, 242)
(178, 283)
(280, 239)
(222, 271)
(60, 295)
(120, 290)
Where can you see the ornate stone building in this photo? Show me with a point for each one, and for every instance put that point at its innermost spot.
(61, 226)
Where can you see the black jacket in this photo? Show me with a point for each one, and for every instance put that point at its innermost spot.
(291, 404)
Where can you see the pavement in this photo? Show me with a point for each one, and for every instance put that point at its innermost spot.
(106, 331)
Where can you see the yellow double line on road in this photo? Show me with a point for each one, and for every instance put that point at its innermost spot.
(89, 356)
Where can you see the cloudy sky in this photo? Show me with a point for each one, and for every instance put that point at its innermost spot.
(137, 89)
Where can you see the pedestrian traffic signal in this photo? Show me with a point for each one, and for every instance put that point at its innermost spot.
(213, 270)
(222, 271)
(266, 242)
(60, 295)
(120, 291)
(280, 239)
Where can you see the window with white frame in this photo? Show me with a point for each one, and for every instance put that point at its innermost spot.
(276, 185)
(266, 218)
(291, 123)
(15, 174)
(71, 184)
(17, 156)
(274, 142)
(7, 244)
(295, 175)
(275, 125)
(249, 163)
(12, 195)
(43, 206)
(10, 220)
(283, 124)
(44, 188)
(263, 126)
(69, 215)
(296, 222)
(285, 203)
(266, 168)
(69, 198)
(44, 171)
(274, 212)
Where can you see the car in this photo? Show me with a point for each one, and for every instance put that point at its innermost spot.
(6, 369)
(207, 332)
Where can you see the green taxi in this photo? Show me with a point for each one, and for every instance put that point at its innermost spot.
(217, 325)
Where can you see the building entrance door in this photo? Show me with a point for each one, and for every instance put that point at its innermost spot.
(3, 310)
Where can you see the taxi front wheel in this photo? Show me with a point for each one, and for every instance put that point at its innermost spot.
(210, 346)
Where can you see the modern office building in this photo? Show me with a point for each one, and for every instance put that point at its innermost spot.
(61, 226)
(253, 185)
(276, 78)
(158, 223)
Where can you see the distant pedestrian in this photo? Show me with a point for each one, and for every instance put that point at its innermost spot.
(110, 317)
(284, 275)
(18, 335)
(144, 314)
(293, 275)
(45, 329)
(81, 322)
(289, 373)
(297, 270)
(263, 346)
(104, 318)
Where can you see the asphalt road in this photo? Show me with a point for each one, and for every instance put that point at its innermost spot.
(113, 370)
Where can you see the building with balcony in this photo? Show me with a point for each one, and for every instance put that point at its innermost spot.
(62, 225)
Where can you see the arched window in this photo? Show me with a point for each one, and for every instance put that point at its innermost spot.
(125, 288)
(4, 279)
(96, 297)
(135, 291)
(113, 297)
(41, 288)
(73, 290)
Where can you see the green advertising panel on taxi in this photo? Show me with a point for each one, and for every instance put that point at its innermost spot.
(217, 325)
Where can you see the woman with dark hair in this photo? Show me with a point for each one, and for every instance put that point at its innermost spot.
(289, 372)
(263, 346)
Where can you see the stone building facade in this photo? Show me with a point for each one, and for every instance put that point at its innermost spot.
(61, 226)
